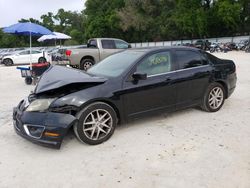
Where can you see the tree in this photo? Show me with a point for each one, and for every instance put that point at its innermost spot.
(228, 12)
(48, 20)
(145, 20)
(102, 19)
(190, 18)
(30, 20)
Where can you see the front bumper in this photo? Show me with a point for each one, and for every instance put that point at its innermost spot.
(35, 126)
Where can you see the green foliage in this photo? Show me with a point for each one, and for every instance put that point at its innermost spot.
(144, 20)
(102, 19)
(48, 20)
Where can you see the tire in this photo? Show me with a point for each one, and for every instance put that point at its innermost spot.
(213, 98)
(28, 80)
(8, 62)
(85, 64)
(42, 60)
(92, 131)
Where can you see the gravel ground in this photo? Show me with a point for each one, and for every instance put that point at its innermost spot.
(185, 149)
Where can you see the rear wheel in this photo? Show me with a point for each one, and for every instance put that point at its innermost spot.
(8, 62)
(96, 123)
(86, 64)
(214, 98)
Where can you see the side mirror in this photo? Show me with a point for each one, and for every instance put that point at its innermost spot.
(129, 46)
(139, 76)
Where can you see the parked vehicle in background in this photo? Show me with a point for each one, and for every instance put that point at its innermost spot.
(96, 50)
(123, 86)
(243, 44)
(8, 52)
(247, 48)
(23, 57)
(58, 55)
(202, 44)
(231, 46)
(216, 47)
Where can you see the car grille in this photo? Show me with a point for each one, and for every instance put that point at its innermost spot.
(32, 97)
(21, 106)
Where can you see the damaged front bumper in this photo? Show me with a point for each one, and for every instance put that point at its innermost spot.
(44, 128)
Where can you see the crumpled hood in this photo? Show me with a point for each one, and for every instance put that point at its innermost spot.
(58, 76)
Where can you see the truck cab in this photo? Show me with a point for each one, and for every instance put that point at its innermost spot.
(97, 49)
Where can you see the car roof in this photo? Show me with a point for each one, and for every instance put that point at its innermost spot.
(107, 39)
(152, 49)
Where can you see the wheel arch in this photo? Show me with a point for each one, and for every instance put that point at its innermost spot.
(87, 57)
(108, 102)
(41, 57)
(224, 86)
(7, 59)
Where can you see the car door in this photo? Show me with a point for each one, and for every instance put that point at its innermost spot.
(194, 72)
(22, 57)
(108, 48)
(157, 91)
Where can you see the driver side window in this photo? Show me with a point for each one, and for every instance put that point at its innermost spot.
(158, 63)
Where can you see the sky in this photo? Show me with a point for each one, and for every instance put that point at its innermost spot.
(13, 10)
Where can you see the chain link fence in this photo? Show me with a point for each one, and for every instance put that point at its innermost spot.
(180, 42)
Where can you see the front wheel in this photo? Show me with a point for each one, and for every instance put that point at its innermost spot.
(8, 62)
(214, 98)
(96, 123)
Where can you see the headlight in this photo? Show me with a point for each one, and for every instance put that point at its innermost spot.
(39, 105)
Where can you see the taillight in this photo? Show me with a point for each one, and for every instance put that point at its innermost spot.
(68, 52)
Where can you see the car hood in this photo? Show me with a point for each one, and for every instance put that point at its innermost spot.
(57, 77)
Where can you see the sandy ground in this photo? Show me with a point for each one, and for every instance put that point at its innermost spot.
(185, 149)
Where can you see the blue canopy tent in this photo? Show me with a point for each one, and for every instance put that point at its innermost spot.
(28, 29)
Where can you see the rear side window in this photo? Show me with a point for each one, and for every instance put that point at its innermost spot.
(35, 52)
(211, 58)
(108, 44)
(189, 59)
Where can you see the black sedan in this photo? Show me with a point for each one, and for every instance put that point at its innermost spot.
(125, 85)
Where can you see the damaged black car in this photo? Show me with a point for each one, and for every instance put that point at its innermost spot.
(123, 86)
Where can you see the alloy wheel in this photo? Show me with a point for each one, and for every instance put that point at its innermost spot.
(215, 98)
(97, 124)
(8, 62)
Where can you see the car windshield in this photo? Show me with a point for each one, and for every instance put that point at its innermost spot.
(116, 64)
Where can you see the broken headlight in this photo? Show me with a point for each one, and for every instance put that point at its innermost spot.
(39, 105)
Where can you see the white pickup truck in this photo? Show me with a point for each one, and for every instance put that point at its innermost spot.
(96, 50)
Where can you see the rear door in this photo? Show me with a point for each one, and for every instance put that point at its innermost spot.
(108, 48)
(194, 73)
(22, 57)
